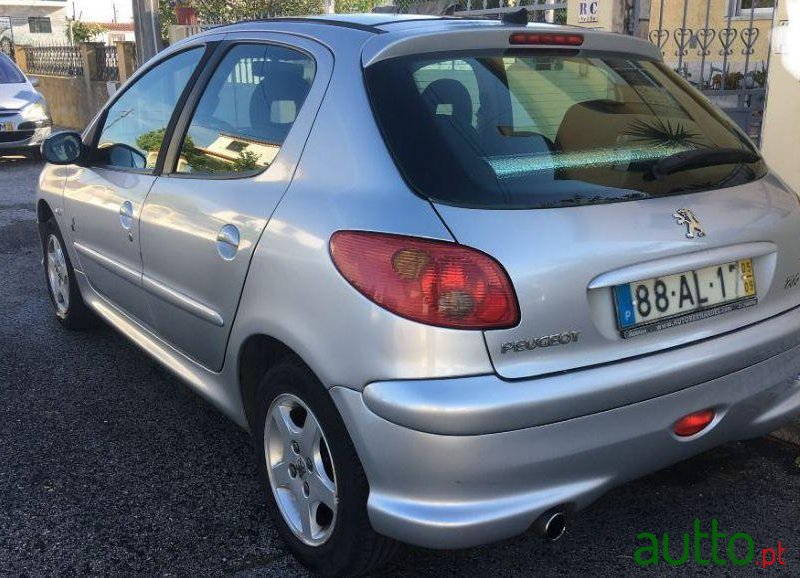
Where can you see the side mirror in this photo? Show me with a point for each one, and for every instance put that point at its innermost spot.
(63, 148)
(34, 81)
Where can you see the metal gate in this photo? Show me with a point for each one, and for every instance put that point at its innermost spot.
(6, 37)
(554, 11)
(720, 46)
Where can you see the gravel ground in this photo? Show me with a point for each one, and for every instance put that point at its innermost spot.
(108, 465)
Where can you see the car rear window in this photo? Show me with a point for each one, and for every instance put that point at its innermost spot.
(531, 129)
(9, 73)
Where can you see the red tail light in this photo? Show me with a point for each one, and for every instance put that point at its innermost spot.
(433, 282)
(694, 423)
(548, 38)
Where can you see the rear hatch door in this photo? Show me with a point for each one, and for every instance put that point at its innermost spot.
(581, 170)
(565, 262)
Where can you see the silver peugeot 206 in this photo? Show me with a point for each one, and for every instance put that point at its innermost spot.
(458, 277)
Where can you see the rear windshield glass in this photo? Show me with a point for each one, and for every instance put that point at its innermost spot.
(524, 129)
(9, 73)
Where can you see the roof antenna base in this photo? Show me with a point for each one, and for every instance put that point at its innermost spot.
(516, 18)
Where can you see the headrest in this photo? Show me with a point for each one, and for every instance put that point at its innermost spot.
(448, 97)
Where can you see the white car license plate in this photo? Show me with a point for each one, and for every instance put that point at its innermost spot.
(6, 127)
(664, 302)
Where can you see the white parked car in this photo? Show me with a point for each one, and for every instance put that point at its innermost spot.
(24, 117)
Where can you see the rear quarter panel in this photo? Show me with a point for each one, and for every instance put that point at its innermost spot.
(293, 292)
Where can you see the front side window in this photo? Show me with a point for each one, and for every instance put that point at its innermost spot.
(524, 129)
(135, 125)
(246, 111)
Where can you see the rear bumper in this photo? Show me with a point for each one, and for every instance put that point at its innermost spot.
(450, 490)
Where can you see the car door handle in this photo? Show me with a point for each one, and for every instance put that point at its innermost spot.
(228, 242)
(126, 215)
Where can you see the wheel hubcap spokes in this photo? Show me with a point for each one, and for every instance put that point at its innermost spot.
(57, 274)
(300, 468)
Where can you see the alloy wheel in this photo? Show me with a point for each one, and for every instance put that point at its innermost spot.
(57, 275)
(300, 469)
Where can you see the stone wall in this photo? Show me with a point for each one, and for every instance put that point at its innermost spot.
(75, 100)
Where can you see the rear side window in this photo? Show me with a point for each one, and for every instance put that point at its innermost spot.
(526, 129)
(246, 111)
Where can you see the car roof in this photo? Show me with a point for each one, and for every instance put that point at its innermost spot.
(388, 35)
(373, 18)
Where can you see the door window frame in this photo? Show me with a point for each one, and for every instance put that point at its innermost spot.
(310, 106)
(95, 131)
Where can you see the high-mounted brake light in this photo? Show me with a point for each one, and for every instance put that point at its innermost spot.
(546, 38)
(433, 282)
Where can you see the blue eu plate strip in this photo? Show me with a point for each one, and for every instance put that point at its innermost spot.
(624, 301)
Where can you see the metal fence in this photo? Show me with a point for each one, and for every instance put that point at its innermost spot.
(717, 52)
(107, 63)
(54, 60)
(554, 11)
(7, 37)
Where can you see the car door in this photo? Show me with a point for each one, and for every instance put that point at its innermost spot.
(231, 160)
(104, 198)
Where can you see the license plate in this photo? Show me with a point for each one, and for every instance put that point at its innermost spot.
(664, 302)
(6, 127)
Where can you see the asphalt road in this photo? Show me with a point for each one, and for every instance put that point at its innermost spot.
(108, 465)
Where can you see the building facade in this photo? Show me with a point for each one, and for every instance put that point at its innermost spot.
(33, 21)
(114, 32)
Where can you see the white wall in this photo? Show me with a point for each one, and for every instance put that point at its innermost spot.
(780, 142)
(19, 18)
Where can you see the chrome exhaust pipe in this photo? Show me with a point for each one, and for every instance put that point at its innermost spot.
(551, 525)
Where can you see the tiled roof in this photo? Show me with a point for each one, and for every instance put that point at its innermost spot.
(114, 26)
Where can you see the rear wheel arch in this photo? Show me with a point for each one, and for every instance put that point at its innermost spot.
(257, 355)
(269, 371)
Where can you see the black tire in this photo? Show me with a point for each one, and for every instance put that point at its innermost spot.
(353, 547)
(76, 315)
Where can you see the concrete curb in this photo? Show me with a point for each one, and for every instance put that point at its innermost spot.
(790, 433)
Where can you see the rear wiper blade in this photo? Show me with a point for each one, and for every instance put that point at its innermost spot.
(698, 158)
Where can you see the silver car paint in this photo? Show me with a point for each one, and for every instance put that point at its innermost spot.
(457, 491)
(182, 218)
(107, 252)
(560, 289)
(478, 486)
(444, 36)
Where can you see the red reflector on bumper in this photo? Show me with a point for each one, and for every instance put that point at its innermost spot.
(694, 423)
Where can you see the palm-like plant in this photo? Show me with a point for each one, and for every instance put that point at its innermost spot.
(663, 134)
